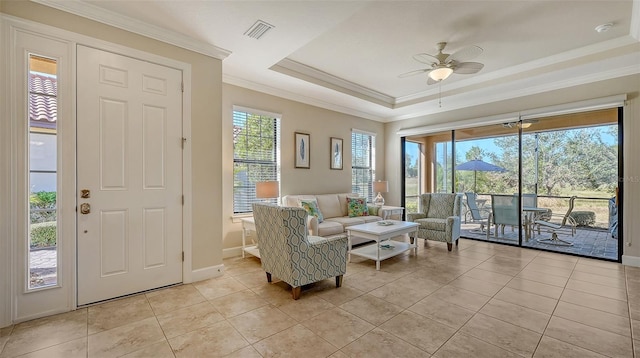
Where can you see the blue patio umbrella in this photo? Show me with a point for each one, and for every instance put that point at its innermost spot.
(478, 165)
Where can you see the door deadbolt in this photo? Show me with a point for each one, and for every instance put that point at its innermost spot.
(85, 208)
(85, 193)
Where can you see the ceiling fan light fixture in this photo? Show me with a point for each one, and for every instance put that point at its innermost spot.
(524, 124)
(440, 73)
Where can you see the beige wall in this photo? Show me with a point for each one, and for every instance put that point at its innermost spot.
(206, 117)
(629, 85)
(320, 123)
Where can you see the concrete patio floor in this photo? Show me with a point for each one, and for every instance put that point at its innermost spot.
(591, 242)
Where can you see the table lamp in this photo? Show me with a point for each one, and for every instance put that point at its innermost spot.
(381, 187)
(267, 189)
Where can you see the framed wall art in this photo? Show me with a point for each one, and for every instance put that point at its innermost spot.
(336, 153)
(302, 150)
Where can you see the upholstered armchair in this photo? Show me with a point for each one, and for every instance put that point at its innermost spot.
(439, 219)
(288, 252)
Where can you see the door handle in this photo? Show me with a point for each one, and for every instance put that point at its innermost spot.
(85, 208)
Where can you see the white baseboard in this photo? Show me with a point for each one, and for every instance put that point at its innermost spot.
(631, 260)
(206, 273)
(232, 252)
(43, 314)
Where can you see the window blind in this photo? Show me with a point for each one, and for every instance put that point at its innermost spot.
(256, 156)
(362, 164)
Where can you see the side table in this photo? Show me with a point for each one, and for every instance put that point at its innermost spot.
(248, 226)
(391, 212)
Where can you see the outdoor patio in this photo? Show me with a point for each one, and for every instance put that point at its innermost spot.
(592, 242)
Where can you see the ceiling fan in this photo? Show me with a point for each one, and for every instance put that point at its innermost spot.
(442, 65)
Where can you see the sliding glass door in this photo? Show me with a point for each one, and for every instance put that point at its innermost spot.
(570, 168)
(486, 173)
(548, 183)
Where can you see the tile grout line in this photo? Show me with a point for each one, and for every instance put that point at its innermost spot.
(554, 310)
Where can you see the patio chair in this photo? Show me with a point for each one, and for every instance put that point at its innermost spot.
(291, 254)
(530, 200)
(504, 211)
(439, 219)
(563, 225)
(474, 214)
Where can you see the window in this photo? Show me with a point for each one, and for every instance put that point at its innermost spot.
(256, 155)
(43, 152)
(363, 163)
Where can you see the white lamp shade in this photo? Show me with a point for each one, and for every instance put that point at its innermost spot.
(267, 189)
(440, 73)
(380, 186)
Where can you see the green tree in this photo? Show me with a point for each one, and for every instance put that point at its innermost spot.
(474, 153)
(566, 160)
(411, 168)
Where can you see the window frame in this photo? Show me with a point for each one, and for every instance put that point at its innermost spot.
(42, 66)
(244, 195)
(360, 171)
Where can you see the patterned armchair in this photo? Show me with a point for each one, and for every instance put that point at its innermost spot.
(439, 219)
(289, 253)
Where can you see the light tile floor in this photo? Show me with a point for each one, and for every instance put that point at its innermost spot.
(480, 300)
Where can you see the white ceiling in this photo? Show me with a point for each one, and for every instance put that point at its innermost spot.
(347, 55)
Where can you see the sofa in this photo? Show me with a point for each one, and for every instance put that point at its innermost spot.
(334, 213)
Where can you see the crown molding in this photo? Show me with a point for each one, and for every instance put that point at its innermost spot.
(278, 92)
(298, 70)
(123, 22)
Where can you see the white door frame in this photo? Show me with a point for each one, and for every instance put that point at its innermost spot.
(10, 297)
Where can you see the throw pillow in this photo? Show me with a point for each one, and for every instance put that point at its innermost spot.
(311, 206)
(357, 207)
(374, 210)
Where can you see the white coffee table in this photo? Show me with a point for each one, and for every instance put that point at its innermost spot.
(383, 248)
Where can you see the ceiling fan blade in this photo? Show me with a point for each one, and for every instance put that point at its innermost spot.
(413, 73)
(425, 58)
(465, 54)
(467, 68)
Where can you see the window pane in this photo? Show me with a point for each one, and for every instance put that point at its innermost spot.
(42, 240)
(42, 182)
(412, 176)
(256, 149)
(363, 165)
(42, 152)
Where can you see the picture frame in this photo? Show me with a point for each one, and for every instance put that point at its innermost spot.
(302, 150)
(335, 153)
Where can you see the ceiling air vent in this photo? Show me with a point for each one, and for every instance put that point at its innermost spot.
(258, 29)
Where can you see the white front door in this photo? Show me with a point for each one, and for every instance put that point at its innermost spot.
(129, 161)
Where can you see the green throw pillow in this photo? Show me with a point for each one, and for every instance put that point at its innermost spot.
(311, 206)
(357, 207)
(374, 210)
